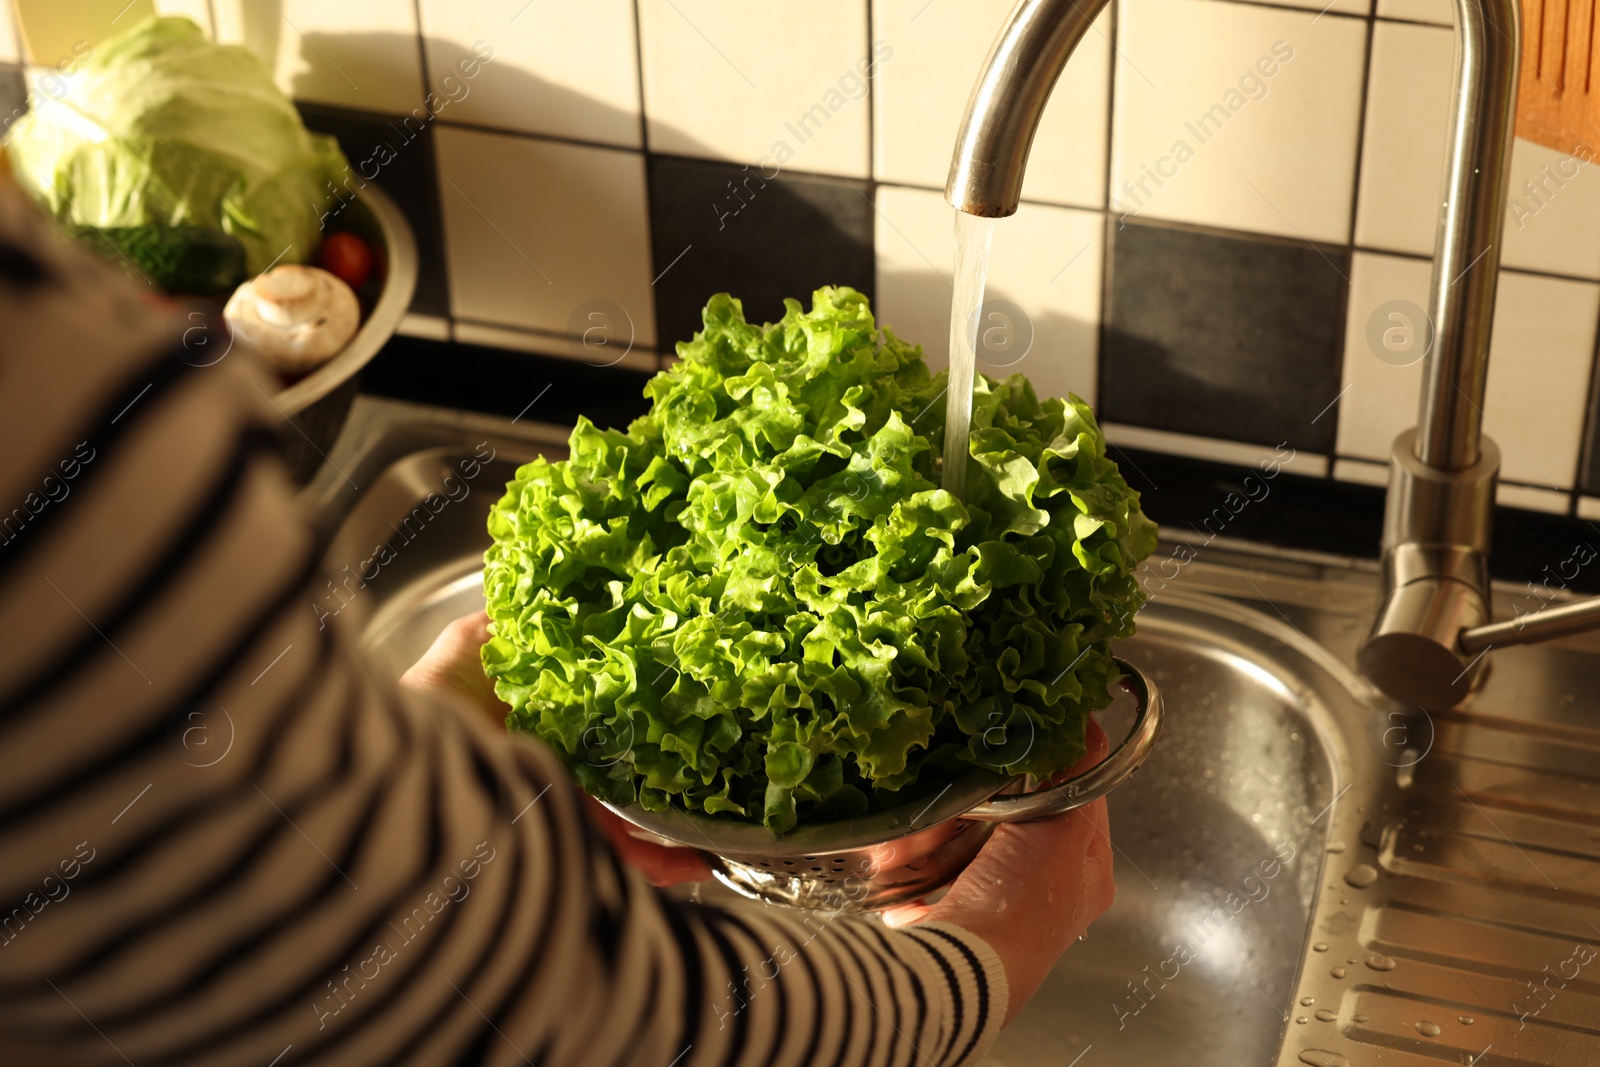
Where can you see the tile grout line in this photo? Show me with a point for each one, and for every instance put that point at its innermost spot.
(647, 160)
(1587, 480)
(872, 133)
(422, 51)
(1347, 293)
(638, 73)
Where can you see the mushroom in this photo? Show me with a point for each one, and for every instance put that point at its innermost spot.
(296, 318)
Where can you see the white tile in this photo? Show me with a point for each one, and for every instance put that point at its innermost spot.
(1440, 12)
(1361, 472)
(355, 53)
(1553, 212)
(1531, 498)
(1046, 264)
(197, 10)
(1553, 215)
(1237, 453)
(1380, 395)
(1203, 134)
(1589, 508)
(778, 84)
(433, 327)
(535, 78)
(473, 333)
(920, 95)
(10, 47)
(1539, 365)
(1402, 155)
(520, 255)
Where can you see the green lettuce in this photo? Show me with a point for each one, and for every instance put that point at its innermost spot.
(161, 127)
(757, 603)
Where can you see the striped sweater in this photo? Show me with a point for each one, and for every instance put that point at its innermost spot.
(223, 841)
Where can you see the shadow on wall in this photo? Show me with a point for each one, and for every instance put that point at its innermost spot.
(759, 233)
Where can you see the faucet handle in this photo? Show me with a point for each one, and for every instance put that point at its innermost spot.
(1414, 654)
(1578, 617)
(1435, 576)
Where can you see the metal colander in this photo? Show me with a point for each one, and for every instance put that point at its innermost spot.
(897, 856)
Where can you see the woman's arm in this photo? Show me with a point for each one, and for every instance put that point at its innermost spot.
(222, 842)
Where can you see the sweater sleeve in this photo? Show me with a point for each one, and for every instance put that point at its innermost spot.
(224, 842)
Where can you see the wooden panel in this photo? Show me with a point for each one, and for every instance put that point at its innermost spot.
(1556, 104)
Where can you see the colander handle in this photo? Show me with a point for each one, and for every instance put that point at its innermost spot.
(1098, 780)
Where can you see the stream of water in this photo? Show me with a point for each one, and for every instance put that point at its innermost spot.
(973, 237)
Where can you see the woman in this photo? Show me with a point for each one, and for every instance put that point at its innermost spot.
(365, 874)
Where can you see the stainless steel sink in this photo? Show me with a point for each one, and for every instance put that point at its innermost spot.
(1307, 873)
(1218, 849)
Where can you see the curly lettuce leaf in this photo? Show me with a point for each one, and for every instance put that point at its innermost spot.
(758, 603)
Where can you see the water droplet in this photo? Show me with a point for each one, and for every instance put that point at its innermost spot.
(1358, 1019)
(1361, 876)
(1427, 1029)
(1352, 959)
(1306, 1002)
(1301, 1019)
(1465, 1020)
(1379, 962)
(1320, 946)
(1325, 1015)
(1316, 1057)
(1338, 972)
(1336, 848)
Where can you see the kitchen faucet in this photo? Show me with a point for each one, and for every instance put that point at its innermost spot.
(1433, 628)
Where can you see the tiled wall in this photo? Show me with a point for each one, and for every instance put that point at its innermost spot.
(1222, 200)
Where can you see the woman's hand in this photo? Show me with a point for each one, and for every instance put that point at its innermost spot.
(1034, 888)
(452, 665)
(662, 864)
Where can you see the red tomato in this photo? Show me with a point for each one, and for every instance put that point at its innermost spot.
(346, 257)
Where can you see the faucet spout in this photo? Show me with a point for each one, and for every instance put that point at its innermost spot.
(1466, 251)
(1442, 473)
(1008, 100)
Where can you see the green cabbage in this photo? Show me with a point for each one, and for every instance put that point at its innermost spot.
(757, 603)
(162, 127)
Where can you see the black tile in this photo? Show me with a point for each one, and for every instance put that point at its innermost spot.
(758, 239)
(13, 96)
(499, 382)
(1224, 336)
(1186, 496)
(399, 159)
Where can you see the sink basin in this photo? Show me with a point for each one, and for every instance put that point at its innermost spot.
(1306, 873)
(1218, 849)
